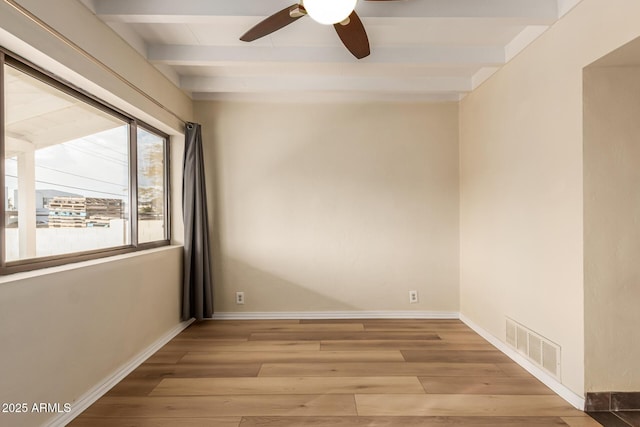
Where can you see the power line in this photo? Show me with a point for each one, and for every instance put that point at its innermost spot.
(105, 147)
(74, 174)
(81, 176)
(120, 161)
(72, 187)
(104, 157)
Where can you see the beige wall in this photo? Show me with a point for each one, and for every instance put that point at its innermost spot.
(65, 330)
(331, 207)
(521, 183)
(612, 229)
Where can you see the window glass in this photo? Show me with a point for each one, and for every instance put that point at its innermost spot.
(66, 172)
(151, 186)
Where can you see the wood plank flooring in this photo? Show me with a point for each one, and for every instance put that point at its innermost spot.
(290, 373)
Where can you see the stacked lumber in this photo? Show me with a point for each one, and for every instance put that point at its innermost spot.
(81, 212)
(67, 212)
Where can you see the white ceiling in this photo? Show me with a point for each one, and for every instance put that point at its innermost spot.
(38, 115)
(420, 49)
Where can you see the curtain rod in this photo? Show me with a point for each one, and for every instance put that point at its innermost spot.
(88, 56)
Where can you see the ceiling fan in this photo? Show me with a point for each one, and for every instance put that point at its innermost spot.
(348, 26)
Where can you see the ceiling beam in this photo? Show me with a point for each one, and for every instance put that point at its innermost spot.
(418, 55)
(535, 12)
(324, 83)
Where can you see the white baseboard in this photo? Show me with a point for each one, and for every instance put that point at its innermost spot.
(560, 389)
(294, 315)
(87, 399)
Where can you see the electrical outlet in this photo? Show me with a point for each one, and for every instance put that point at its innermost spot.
(413, 297)
(239, 297)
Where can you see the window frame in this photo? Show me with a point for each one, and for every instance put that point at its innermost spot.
(25, 66)
(166, 179)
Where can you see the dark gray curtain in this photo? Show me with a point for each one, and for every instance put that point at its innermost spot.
(197, 292)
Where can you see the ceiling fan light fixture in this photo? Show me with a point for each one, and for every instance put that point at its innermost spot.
(329, 12)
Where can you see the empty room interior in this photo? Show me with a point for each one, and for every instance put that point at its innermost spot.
(425, 213)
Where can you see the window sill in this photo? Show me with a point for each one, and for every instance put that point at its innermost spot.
(15, 277)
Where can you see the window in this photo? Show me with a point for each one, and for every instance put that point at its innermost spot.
(151, 187)
(69, 165)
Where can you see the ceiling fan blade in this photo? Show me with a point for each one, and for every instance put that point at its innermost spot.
(273, 23)
(354, 36)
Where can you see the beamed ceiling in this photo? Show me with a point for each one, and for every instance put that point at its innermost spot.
(420, 49)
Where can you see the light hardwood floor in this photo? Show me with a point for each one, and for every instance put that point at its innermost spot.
(431, 373)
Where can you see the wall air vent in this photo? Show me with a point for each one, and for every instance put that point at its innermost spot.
(537, 349)
(511, 334)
